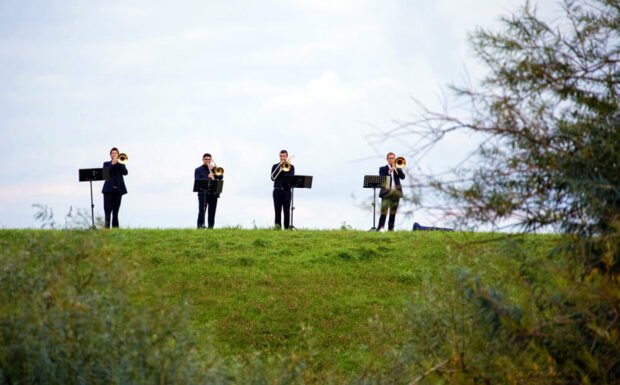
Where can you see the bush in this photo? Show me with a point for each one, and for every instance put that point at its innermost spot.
(64, 319)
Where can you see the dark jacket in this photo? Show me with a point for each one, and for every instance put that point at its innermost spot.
(398, 175)
(202, 173)
(279, 180)
(116, 182)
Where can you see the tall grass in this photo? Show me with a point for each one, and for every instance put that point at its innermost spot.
(230, 305)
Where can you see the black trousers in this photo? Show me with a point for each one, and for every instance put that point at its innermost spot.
(389, 203)
(282, 201)
(206, 201)
(111, 205)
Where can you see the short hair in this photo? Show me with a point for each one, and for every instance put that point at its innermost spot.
(389, 153)
(114, 149)
(284, 152)
(206, 154)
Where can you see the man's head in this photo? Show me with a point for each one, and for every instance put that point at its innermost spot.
(283, 155)
(390, 158)
(114, 153)
(206, 159)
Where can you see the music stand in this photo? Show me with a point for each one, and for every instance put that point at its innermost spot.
(293, 182)
(89, 175)
(211, 186)
(375, 182)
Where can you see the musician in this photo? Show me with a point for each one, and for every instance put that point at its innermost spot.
(206, 200)
(113, 188)
(390, 196)
(281, 194)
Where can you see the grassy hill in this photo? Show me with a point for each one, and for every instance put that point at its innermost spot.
(333, 304)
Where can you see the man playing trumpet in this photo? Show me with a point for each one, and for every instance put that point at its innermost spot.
(282, 193)
(390, 196)
(207, 199)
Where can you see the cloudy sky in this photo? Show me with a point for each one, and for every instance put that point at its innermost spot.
(167, 81)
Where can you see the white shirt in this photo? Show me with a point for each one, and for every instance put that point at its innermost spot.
(391, 176)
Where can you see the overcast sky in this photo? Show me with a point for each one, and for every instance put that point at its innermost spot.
(168, 81)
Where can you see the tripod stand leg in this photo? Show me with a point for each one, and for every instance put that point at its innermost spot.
(374, 209)
(92, 206)
(292, 208)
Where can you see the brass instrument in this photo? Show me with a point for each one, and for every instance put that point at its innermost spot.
(217, 171)
(122, 158)
(284, 166)
(400, 162)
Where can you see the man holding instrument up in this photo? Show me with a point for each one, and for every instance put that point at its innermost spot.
(114, 188)
(282, 194)
(391, 196)
(206, 198)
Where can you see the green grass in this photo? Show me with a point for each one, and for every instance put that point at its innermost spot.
(338, 298)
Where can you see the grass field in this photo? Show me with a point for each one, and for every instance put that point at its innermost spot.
(339, 299)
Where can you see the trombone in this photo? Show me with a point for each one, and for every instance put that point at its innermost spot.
(284, 166)
(217, 171)
(400, 162)
(122, 158)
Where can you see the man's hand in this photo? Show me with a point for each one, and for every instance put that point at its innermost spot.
(114, 161)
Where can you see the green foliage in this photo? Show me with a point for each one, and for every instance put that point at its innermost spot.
(65, 319)
(548, 116)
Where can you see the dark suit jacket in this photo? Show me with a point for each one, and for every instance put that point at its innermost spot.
(116, 182)
(202, 173)
(279, 180)
(398, 175)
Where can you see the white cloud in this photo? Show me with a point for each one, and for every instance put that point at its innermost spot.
(167, 82)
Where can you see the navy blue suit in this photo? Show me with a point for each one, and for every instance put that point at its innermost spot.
(282, 197)
(113, 190)
(398, 175)
(390, 196)
(206, 200)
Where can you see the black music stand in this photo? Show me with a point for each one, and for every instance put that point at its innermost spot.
(89, 175)
(293, 182)
(211, 186)
(375, 182)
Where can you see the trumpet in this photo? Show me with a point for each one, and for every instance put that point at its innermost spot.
(400, 162)
(122, 158)
(284, 166)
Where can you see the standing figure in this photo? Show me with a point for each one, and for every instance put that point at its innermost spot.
(390, 196)
(114, 188)
(282, 193)
(207, 199)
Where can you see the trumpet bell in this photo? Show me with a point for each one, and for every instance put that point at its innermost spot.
(400, 162)
(122, 157)
(286, 167)
(219, 171)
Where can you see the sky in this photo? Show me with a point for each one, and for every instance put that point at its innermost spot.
(168, 81)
